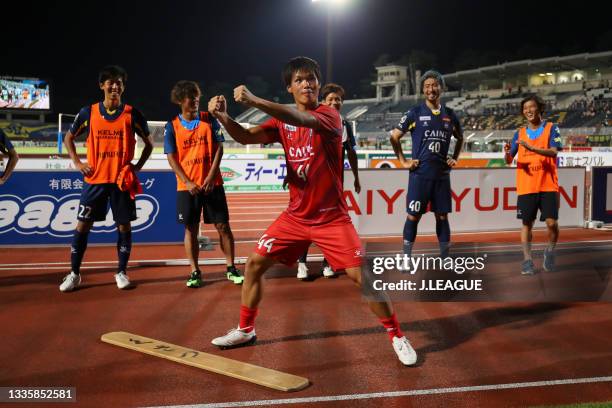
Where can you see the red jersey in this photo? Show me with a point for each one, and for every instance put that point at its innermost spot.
(314, 167)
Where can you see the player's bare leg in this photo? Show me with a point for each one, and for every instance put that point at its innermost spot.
(252, 288)
(192, 250)
(226, 242)
(386, 315)
(527, 267)
(380, 309)
(553, 236)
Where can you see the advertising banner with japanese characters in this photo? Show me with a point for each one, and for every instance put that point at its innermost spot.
(253, 175)
(40, 207)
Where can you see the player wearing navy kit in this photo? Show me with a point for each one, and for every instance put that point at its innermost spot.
(431, 126)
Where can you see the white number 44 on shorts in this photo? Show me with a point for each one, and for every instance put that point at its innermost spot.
(265, 242)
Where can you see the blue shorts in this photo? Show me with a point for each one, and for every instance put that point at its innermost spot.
(94, 203)
(422, 191)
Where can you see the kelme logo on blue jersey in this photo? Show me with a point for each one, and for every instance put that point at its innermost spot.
(46, 214)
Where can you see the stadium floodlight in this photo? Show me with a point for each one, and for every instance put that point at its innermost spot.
(329, 51)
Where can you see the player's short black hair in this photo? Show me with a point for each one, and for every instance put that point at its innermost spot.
(332, 88)
(300, 64)
(112, 72)
(432, 74)
(184, 89)
(539, 101)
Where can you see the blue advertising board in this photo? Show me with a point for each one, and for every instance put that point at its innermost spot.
(40, 207)
(602, 194)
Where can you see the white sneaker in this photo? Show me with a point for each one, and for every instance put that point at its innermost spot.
(302, 271)
(328, 272)
(70, 282)
(234, 338)
(404, 351)
(122, 280)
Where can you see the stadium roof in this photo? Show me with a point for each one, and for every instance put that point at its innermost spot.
(530, 66)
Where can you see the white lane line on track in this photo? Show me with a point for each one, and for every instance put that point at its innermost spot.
(395, 394)
(234, 230)
(456, 234)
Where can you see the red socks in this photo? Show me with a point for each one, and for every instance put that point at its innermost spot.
(247, 318)
(392, 326)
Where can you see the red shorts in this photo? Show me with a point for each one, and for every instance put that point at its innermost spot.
(287, 239)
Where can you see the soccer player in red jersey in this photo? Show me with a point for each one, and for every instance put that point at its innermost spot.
(311, 135)
(110, 127)
(333, 95)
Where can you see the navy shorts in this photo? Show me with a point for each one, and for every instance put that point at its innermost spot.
(94, 203)
(189, 208)
(527, 206)
(422, 191)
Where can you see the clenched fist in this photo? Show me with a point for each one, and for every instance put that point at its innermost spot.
(243, 95)
(217, 105)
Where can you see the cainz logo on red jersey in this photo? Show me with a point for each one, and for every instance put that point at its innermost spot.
(45, 214)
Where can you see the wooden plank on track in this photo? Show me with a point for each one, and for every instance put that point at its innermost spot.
(206, 361)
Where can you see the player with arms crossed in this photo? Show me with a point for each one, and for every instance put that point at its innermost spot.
(110, 127)
(311, 135)
(537, 185)
(431, 125)
(193, 145)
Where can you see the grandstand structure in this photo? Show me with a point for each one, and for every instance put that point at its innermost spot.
(577, 90)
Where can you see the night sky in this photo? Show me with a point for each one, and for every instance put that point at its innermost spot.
(225, 43)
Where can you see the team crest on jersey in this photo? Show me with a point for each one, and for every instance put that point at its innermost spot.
(290, 128)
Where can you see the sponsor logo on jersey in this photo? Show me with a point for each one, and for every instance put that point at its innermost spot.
(435, 133)
(424, 118)
(290, 128)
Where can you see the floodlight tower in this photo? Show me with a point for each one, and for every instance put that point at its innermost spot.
(329, 49)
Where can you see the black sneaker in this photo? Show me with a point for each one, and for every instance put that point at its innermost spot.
(234, 275)
(195, 280)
